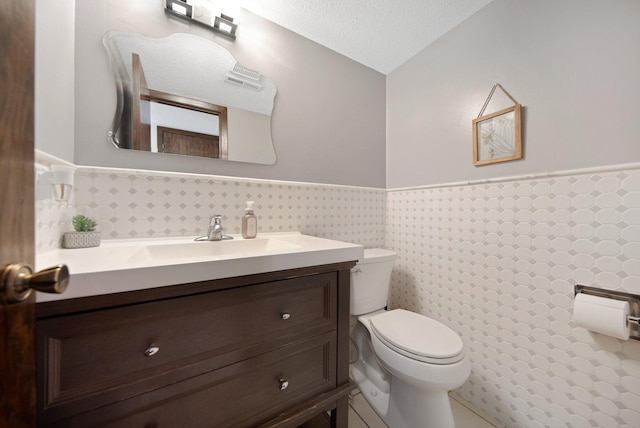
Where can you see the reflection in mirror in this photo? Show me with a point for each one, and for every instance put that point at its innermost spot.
(167, 123)
(185, 94)
(168, 133)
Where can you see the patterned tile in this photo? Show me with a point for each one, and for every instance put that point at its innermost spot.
(51, 217)
(142, 204)
(497, 263)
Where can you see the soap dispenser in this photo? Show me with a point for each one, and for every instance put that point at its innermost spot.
(249, 222)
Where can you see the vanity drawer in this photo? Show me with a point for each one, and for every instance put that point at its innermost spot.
(245, 394)
(88, 360)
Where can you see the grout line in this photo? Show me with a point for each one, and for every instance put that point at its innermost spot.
(477, 412)
(354, 393)
(359, 415)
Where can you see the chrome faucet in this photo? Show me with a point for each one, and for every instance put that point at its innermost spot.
(215, 232)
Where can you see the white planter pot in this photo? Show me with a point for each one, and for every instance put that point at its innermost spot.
(80, 239)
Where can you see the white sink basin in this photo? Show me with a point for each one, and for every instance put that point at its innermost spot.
(134, 264)
(217, 249)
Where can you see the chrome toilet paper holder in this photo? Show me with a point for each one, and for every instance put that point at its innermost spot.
(634, 304)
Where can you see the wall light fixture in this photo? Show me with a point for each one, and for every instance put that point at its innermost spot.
(179, 7)
(54, 182)
(224, 24)
(200, 13)
(62, 180)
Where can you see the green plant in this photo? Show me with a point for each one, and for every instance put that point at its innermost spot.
(83, 223)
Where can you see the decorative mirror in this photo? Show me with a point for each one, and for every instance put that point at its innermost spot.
(187, 95)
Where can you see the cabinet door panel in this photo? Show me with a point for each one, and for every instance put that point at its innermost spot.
(91, 359)
(241, 395)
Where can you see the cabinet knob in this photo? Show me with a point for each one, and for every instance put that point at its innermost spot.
(285, 315)
(151, 351)
(284, 384)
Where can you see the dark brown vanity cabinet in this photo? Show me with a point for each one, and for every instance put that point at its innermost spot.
(261, 350)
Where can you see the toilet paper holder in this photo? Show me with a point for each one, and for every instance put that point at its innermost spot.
(634, 304)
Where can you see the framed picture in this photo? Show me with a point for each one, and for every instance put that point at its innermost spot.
(497, 137)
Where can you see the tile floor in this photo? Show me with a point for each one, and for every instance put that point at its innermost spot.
(361, 415)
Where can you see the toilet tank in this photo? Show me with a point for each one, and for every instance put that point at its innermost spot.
(370, 281)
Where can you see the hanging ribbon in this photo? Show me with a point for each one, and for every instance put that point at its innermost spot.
(486, 103)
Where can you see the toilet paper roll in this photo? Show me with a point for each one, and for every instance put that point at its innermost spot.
(602, 315)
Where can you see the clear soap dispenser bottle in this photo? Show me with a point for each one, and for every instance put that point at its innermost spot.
(249, 222)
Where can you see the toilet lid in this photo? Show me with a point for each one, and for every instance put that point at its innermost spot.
(417, 336)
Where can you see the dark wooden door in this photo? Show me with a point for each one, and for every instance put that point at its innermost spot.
(181, 142)
(17, 355)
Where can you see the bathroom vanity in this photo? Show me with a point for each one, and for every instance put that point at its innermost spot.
(266, 349)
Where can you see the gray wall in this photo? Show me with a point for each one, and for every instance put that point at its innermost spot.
(54, 79)
(328, 123)
(574, 65)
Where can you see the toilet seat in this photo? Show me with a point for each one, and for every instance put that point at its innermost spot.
(417, 337)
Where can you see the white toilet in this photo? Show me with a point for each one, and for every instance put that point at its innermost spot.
(407, 363)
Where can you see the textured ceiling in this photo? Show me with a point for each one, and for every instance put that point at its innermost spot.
(381, 34)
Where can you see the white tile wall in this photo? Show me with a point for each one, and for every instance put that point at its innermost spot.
(497, 263)
(142, 204)
(51, 218)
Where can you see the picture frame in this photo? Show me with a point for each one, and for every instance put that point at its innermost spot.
(497, 137)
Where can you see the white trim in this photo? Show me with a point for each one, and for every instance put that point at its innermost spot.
(569, 172)
(43, 156)
(40, 155)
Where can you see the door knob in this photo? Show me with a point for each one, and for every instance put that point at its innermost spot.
(17, 280)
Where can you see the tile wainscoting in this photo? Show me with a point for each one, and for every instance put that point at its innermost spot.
(144, 204)
(494, 261)
(52, 218)
(497, 263)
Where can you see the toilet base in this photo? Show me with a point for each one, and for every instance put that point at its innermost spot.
(407, 406)
(404, 405)
(411, 407)
(399, 404)
(377, 397)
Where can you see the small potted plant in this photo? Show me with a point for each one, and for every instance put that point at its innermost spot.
(85, 234)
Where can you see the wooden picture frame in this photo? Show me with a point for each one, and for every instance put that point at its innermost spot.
(497, 137)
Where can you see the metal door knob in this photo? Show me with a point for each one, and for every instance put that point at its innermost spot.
(17, 280)
(285, 315)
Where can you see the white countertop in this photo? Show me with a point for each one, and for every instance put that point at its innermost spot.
(121, 265)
